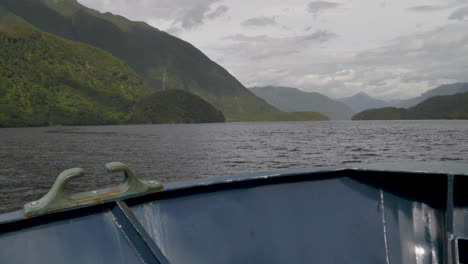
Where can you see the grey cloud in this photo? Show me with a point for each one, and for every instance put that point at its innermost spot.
(459, 14)
(242, 37)
(263, 47)
(273, 53)
(318, 6)
(174, 31)
(377, 82)
(427, 8)
(259, 22)
(319, 36)
(219, 11)
(182, 14)
(406, 68)
(460, 2)
(196, 15)
(418, 61)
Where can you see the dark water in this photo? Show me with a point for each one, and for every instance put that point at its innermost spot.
(31, 158)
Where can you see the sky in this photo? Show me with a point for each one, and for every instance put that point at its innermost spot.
(390, 49)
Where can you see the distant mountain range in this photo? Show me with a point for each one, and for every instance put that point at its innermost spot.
(444, 102)
(294, 100)
(438, 107)
(448, 89)
(361, 101)
(162, 61)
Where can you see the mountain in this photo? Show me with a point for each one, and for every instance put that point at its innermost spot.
(294, 100)
(440, 90)
(47, 80)
(162, 60)
(361, 101)
(385, 113)
(438, 107)
(7, 17)
(175, 106)
(393, 102)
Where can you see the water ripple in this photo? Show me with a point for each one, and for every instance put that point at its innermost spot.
(31, 158)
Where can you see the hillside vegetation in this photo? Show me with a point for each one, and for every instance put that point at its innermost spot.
(175, 106)
(162, 60)
(47, 80)
(438, 107)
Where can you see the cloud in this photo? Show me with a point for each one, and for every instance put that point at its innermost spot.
(259, 22)
(447, 5)
(459, 14)
(263, 47)
(318, 6)
(317, 36)
(244, 38)
(174, 31)
(427, 8)
(196, 15)
(181, 14)
(407, 67)
(414, 63)
(219, 11)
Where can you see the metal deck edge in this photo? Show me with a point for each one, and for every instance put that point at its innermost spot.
(442, 168)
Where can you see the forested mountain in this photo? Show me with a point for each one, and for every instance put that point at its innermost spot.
(448, 89)
(174, 106)
(47, 80)
(7, 17)
(361, 101)
(294, 100)
(162, 60)
(438, 107)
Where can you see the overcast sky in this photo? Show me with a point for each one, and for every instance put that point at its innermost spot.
(386, 48)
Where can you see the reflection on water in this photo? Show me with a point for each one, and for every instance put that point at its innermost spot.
(31, 158)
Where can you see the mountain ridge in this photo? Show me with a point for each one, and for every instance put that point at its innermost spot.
(292, 100)
(362, 101)
(447, 89)
(438, 107)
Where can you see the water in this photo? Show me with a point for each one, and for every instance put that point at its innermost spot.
(31, 158)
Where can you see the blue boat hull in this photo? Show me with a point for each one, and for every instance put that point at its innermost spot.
(406, 213)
